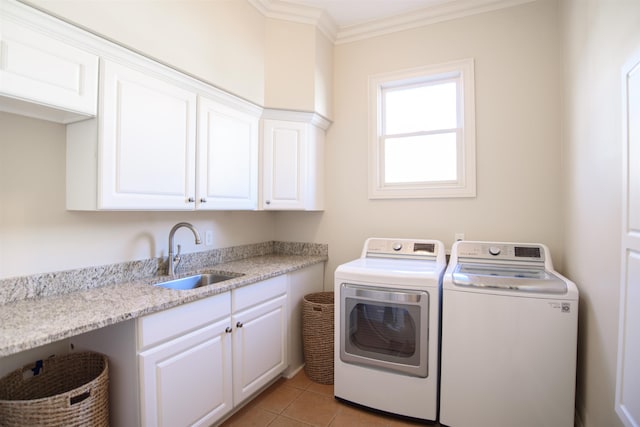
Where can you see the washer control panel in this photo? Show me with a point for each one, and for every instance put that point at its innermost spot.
(409, 248)
(501, 251)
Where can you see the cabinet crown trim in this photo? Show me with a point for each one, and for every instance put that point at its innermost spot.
(297, 116)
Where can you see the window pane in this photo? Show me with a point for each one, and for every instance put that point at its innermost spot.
(420, 159)
(422, 108)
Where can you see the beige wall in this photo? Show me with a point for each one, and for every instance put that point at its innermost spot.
(224, 43)
(38, 235)
(516, 54)
(324, 76)
(598, 38)
(298, 68)
(221, 42)
(289, 65)
(531, 186)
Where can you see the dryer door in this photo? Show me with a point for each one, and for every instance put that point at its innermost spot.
(385, 328)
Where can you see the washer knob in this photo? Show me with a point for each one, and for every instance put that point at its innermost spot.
(397, 246)
(494, 250)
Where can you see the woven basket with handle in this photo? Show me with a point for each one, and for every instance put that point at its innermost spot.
(69, 390)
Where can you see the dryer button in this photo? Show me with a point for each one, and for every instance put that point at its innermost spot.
(397, 246)
(494, 250)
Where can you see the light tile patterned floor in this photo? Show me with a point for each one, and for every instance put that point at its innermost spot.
(300, 402)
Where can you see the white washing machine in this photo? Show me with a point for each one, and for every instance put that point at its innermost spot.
(387, 327)
(509, 338)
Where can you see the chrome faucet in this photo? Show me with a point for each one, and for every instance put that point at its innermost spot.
(175, 260)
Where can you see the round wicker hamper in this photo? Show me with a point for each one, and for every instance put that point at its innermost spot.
(69, 390)
(317, 336)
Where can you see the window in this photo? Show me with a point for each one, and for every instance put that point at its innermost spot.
(422, 132)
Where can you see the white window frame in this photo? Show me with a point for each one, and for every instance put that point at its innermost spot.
(465, 184)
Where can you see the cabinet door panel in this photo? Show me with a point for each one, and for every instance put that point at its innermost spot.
(147, 141)
(259, 347)
(227, 157)
(284, 171)
(187, 381)
(38, 68)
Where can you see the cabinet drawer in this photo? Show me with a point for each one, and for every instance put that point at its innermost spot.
(251, 295)
(167, 324)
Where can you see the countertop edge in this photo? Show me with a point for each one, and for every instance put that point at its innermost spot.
(28, 324)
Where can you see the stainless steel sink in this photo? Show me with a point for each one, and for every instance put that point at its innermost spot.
(197, 280)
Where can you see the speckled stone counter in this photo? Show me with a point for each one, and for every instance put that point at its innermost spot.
(42, 309)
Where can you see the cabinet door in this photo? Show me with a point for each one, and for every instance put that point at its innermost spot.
(187, 381)
(146, 142)
(259, 347)
(284, 164)
(227, 176)
(39, 69)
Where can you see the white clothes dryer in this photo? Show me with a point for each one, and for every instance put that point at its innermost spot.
(509, 338)
(387, 321)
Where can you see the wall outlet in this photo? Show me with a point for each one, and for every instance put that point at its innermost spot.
(208, 237)
(458, 236)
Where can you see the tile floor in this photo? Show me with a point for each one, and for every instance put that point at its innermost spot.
(299, 402)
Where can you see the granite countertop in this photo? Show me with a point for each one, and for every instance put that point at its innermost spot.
(31, 322)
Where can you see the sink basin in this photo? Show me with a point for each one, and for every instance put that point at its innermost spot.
(197, 280)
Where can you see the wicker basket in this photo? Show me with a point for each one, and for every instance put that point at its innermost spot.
(317, 336)
(70, 390)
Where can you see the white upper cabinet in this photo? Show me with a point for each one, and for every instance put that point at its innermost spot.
(293, 161)
(42, 76)
(227, 157)
(144, 136)
(140, 155)
(147, 141)
(162, 142)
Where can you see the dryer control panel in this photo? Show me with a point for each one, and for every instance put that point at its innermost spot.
(401, 248)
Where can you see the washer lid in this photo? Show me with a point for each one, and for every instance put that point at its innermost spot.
(520, 279)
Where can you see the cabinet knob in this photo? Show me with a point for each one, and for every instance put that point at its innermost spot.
(203, 200)
(268, 202)
(228, 330)
(239, 325)
(191, 200)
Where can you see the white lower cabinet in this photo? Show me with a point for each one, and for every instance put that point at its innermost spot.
(199, 360)
(259, 337)
(188, 380)
(193, 364)
(184, 364)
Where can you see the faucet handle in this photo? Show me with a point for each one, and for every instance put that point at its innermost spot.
(176, 259)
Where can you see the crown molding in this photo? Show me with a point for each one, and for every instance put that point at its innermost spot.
(419, 18)
(311, 117)
(278, 9)
(441, 12)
